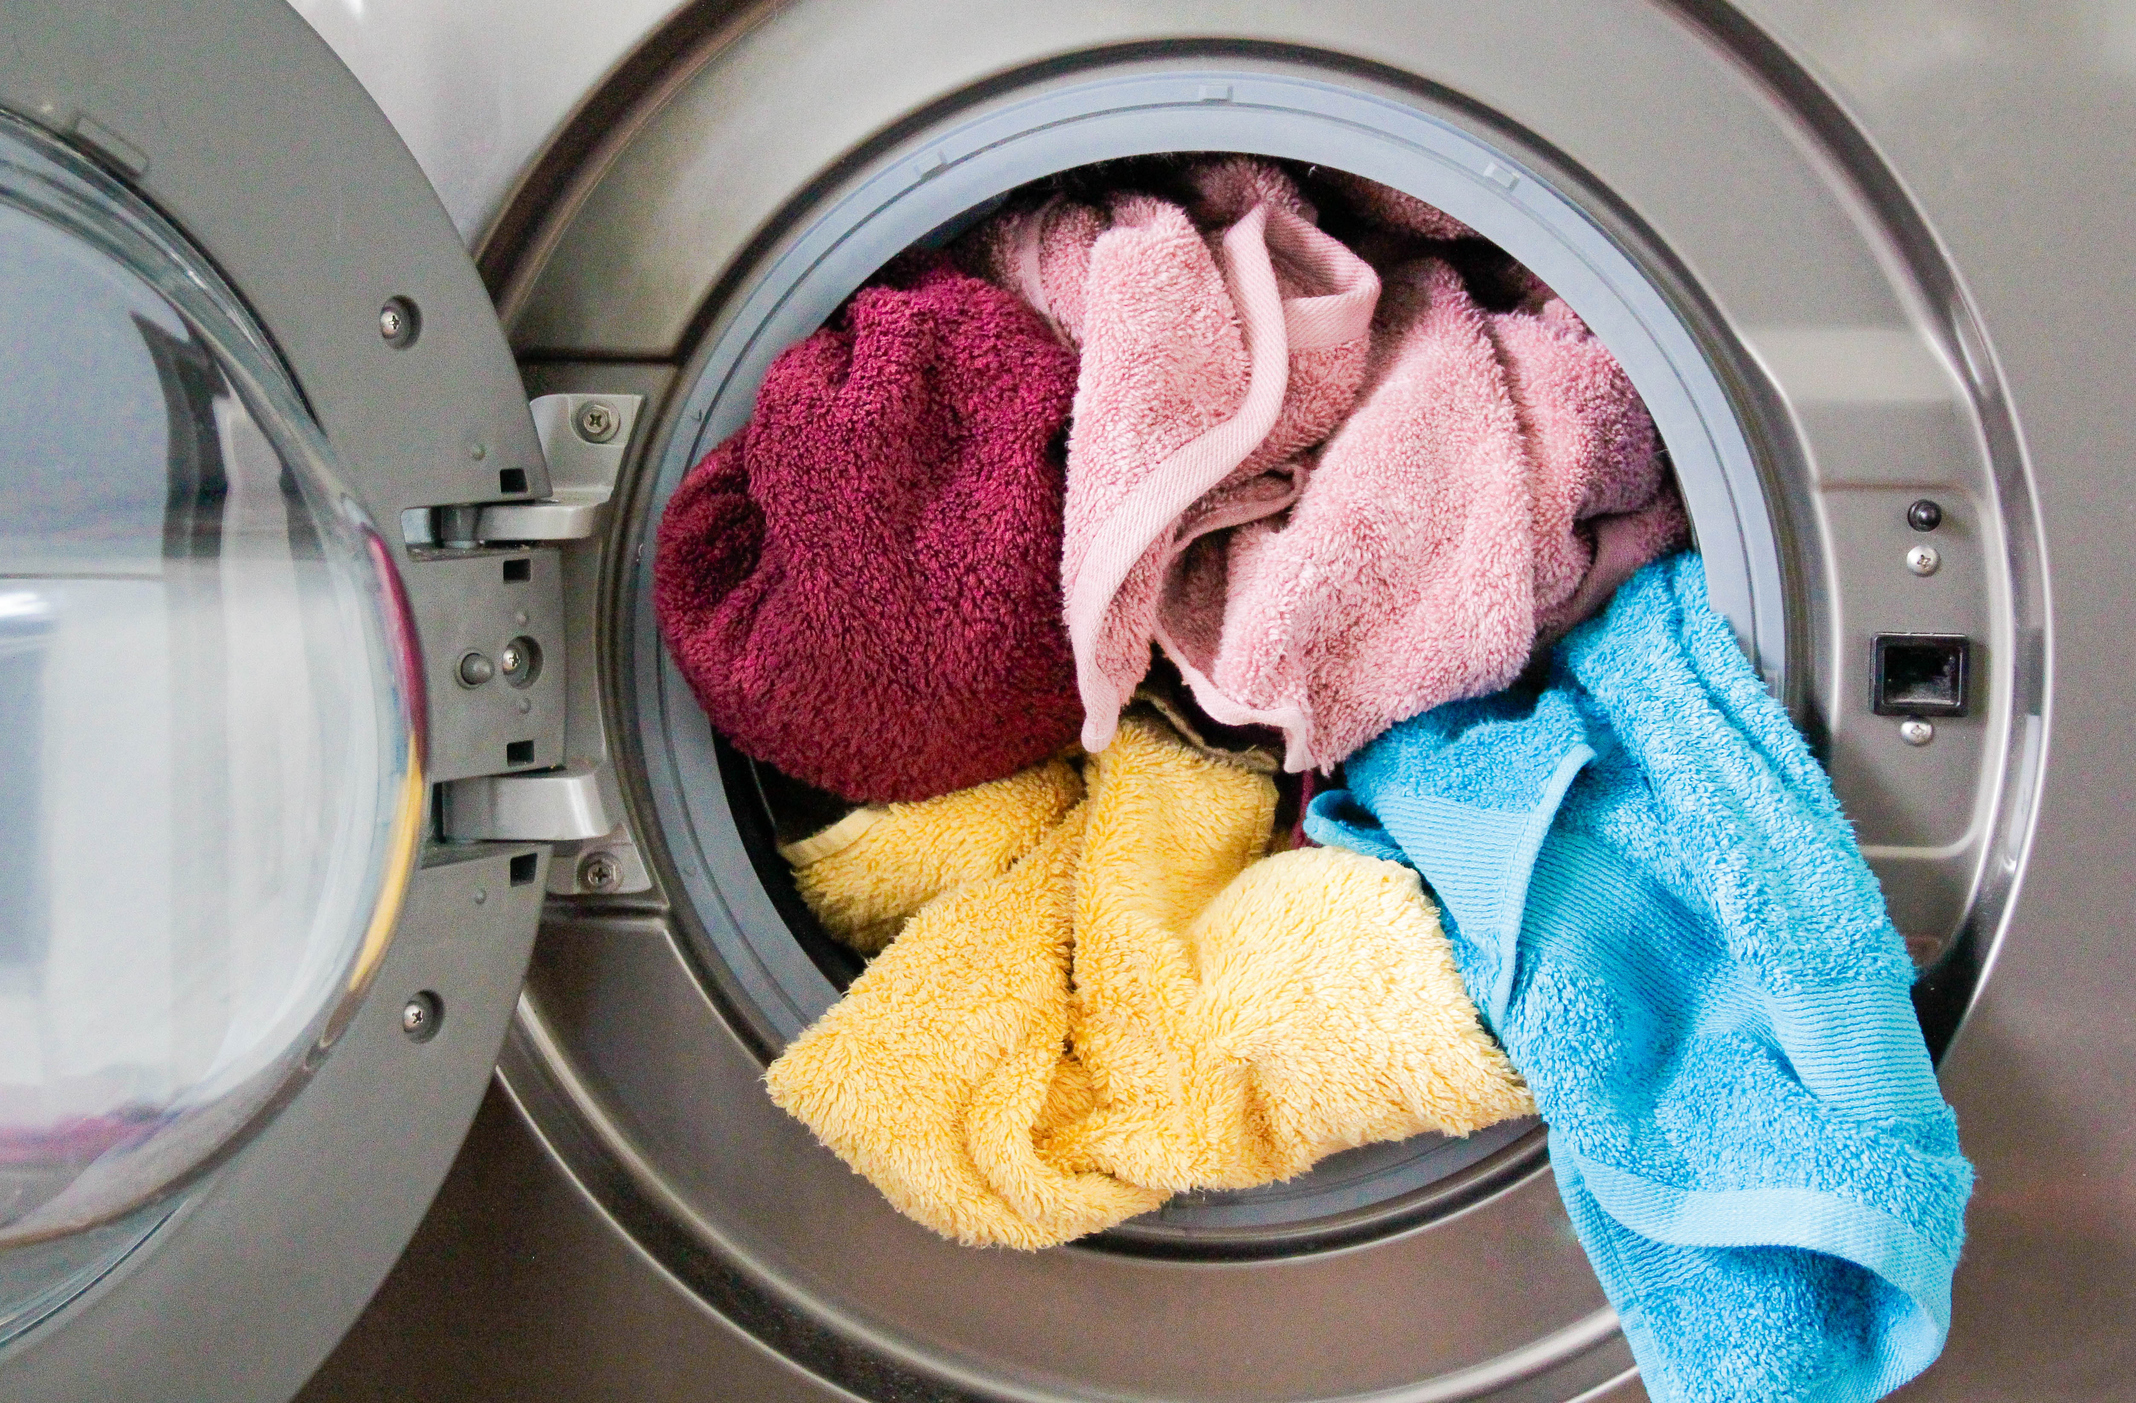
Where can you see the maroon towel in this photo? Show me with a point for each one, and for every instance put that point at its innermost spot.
(863, 585)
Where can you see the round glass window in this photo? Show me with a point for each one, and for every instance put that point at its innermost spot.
(210, 768)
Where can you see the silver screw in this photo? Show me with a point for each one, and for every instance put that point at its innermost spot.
(399, 322)
(476, 669)
(421, 1015)
(519, 663)
(1924, 560)
(1914, 731)
(600, 872)
(478, 450)
(597, 422)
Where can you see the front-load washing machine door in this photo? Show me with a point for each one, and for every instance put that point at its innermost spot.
(249, 992)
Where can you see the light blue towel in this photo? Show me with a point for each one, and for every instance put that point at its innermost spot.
(1660, 909)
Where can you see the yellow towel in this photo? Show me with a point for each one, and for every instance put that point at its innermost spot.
(867, 872)
(1244, 1019)
(1143, 1005)
(947, 1049)
(1322, 1011)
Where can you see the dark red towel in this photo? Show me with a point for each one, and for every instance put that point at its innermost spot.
(863, 585)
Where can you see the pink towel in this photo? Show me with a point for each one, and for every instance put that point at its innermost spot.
(1390, 209)
(862, 586)
(1216, 344)
(1498, 480)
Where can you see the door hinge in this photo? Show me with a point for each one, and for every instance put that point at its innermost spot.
(584, 438)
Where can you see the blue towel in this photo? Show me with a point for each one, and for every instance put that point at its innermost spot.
(1662, 913)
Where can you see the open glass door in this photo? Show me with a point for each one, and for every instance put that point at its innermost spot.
(250, 994)
(213, 788)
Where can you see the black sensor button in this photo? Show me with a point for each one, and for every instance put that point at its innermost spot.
(1921, 674)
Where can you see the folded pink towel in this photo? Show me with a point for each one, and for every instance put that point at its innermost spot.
(1498, 480)
(862, 586)
(1216, 344)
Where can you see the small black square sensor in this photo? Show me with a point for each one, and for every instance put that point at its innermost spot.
(1921, 674)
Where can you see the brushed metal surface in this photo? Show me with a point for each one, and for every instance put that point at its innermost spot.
(656, 1105)
(2009, 126)
(662, 241)
(2006, 130)
(519, 1289)
(477, 87)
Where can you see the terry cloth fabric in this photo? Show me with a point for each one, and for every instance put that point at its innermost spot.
(862, 585)
(1387, 208)
(1217, 342)
(1662, 911)
(867, 872)
(1144, 1004)
(1499, 478)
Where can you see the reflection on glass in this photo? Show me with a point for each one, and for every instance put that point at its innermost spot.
(209, 783)
(37, 1281)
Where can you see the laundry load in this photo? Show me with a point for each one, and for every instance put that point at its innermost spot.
(862, 585)
(1142, 1004)
(866, 873)
(1662, 912)
(1497, 481)
(1217, 342)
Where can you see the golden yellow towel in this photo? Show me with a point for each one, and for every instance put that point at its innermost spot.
(867, 872)
(947, 1047)
(1246, 1018)
(1142, 1005)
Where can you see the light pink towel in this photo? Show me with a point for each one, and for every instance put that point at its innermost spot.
(1497, 481)
(1390, 209)
(1216, 344)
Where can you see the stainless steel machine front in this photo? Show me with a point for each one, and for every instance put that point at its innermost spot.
(1854, 257)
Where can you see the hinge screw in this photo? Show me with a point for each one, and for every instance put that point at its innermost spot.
(598, 422)
(600, 872)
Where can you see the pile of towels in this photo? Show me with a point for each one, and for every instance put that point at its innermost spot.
(1102, 991)
(1325, 482)
(1190, 515)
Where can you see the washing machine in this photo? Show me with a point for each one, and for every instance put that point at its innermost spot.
(390, 953)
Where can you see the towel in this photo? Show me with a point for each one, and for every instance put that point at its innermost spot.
(862, 585)
(1384, 207)
(1249, 1016)
(866, 873)
(1499, 479)
(1216, 343)
(1144, 1004)
(1659, 907)
(942, 1063)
